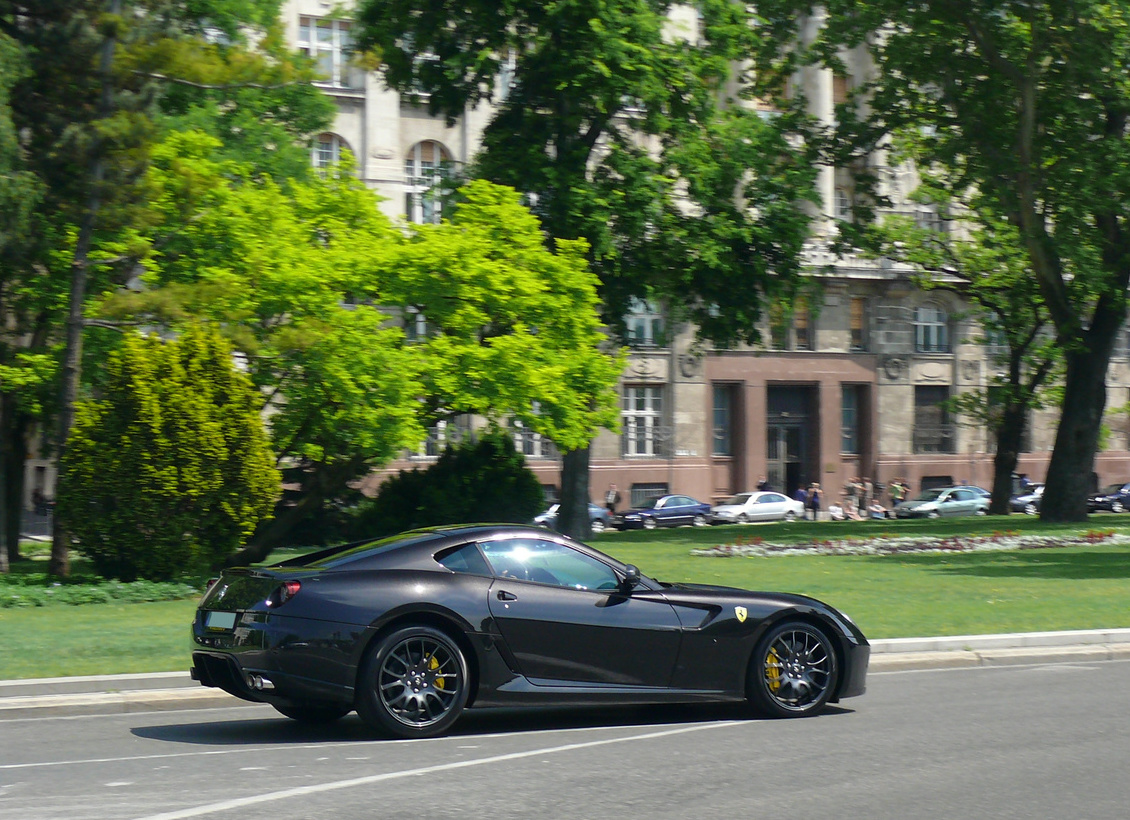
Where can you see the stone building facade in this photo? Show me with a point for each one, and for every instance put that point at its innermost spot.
(851, 387)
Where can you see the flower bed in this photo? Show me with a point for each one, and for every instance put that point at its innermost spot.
(887, 544)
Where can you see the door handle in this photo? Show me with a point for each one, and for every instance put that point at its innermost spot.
(503, 595)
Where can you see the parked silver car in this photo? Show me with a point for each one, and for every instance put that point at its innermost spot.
(945, 501)
(763, 506)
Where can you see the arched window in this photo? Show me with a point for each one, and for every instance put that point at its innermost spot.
(427, 165)
(931, 329)
(327, 151)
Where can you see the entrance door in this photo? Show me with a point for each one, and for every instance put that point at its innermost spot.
(785, 458)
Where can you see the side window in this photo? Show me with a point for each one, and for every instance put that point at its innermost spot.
(466, 558)
(547, 562)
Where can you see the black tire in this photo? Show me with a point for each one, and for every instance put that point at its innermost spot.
(314, 713)
(793, 671)
(413, 683)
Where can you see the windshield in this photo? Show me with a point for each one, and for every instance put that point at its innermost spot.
(1112, 489)
(929, 495)
(738, 499)
(650, 503)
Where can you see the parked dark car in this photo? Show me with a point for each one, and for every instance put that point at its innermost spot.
(1114, 498)
(664, 511)
(1028, 502)
(413, 629)
(599, 517)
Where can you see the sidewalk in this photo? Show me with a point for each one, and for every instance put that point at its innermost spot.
(161, 691)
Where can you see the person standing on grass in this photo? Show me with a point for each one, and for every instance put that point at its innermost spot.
(812, 501)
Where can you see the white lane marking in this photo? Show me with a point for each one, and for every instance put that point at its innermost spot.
(301, 791)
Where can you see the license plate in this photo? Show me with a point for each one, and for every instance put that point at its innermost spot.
(220, 620)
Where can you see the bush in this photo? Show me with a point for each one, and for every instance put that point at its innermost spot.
(168, 470)
(483, 481)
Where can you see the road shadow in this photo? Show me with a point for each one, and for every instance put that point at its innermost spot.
(280, 730)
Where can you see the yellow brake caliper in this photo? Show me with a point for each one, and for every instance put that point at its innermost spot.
(433, 665)
(773, 670)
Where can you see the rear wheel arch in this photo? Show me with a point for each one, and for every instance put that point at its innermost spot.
(435, 620)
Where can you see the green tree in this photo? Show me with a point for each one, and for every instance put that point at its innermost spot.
(982, 258)
(308, 279)
(169, 469)
(1028, 103)
(623, 124)
(103, 80)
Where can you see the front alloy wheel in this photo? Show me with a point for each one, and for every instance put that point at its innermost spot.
(650, 523)
(598, 525)
(793, 671)
(1116, 507)
(413, 684)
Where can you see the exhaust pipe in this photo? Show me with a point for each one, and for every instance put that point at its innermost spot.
(259, 683)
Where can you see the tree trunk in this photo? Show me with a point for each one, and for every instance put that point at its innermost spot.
(1010, 433)
(12, 492)
(1071, 469)
(573, 514)
(60, 563)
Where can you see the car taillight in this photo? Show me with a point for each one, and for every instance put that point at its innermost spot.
(283, 593)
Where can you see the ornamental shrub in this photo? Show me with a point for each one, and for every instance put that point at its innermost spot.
(482, 481)
(167, 470)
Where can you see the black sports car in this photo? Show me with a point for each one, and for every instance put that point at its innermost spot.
(411, 630)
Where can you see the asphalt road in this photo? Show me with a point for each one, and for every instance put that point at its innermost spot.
(1039, 741)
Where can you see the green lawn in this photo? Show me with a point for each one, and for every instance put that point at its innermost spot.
(890, 596)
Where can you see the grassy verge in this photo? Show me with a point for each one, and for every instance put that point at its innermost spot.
(891, 596)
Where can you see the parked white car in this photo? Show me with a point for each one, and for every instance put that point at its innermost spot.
(766, 506)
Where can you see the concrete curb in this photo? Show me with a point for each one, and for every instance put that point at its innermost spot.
(162, 691)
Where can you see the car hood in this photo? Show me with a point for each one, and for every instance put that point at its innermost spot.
(913, 505)
(729, 508)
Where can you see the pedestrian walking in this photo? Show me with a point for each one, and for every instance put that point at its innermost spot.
(612, 498)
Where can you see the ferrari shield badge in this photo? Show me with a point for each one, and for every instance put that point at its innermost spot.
(740, 611)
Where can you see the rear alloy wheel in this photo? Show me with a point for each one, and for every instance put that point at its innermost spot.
(699, 520)
(314, 712)
(793, 672)
(650, 523)
(413, 684)
(790, 516)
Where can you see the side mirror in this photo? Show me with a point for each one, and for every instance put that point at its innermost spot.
(631, 577)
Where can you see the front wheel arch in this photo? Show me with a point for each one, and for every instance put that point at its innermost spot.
(814, 621)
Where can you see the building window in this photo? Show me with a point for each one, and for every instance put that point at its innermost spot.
(723, 420)
(642, 420)
(791, 327)
(441, 435)
(850, 405)
(642, 493)
(645, 324)
(327, 151)
(329, 42)
(931, 330)
(529, 443)
(843, 204)
(933, 430)
(426, 168)
(858, 339)
(415, 325)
